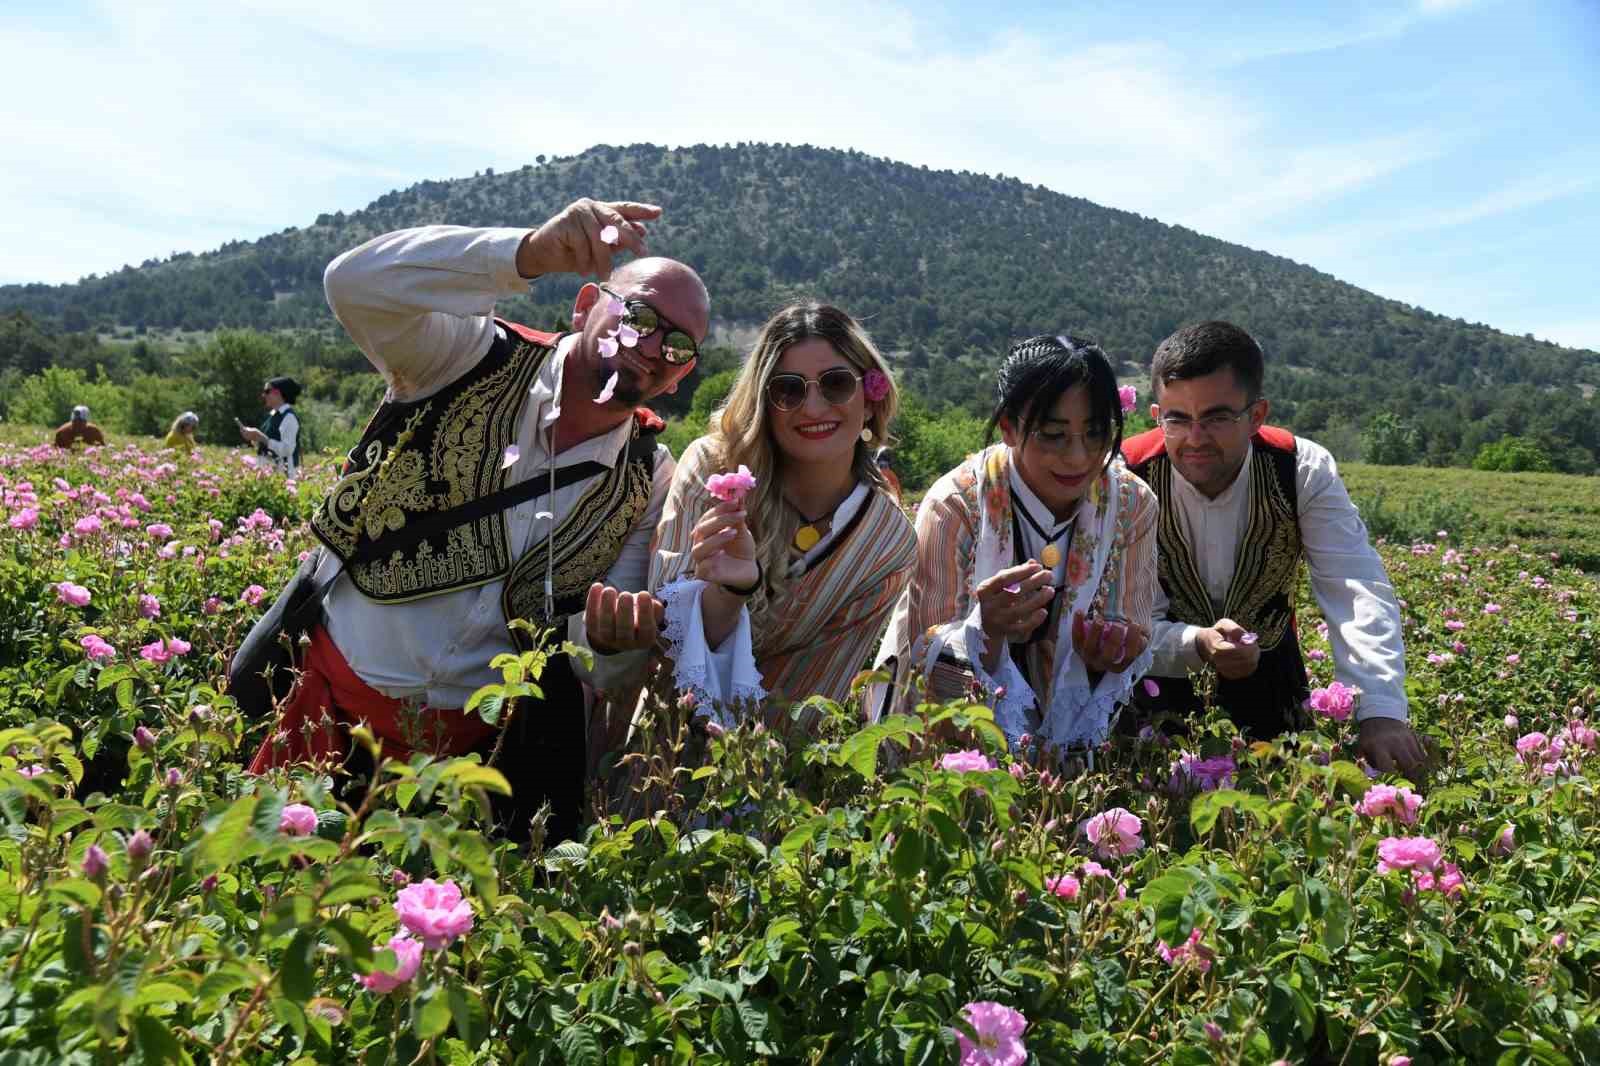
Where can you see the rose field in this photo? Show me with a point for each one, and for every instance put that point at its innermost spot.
(869, 895)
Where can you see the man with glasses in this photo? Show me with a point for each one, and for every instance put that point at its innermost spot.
(1242, 503)
(508, 475)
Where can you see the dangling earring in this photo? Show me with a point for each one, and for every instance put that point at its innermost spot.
(866, 434)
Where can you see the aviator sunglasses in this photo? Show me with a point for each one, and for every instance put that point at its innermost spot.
(677, 347)
(787, 392)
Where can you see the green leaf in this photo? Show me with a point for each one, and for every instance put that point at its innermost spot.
(297, 976)
(351, 889)
(580, 1046)
(351, 942)
(472, 1019)
(1169, 896)
(157, 1041)
(467, 774)
(223, 843)
(908, 854)
(430, 1013)
(79, 891)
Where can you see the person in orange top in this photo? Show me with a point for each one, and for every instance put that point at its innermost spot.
(79, 428)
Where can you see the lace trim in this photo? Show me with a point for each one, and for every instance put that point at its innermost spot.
(1097, 708)
(1011, 707)
(692, 675)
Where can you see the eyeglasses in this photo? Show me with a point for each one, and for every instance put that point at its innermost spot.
(677, 347)
(1059, 443)
(787, 392)
(1216, 422)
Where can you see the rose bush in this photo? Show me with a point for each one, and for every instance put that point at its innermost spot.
(871, 895)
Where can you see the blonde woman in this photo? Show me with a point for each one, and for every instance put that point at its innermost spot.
(181, 436)
(781, 588)
(1036, 569)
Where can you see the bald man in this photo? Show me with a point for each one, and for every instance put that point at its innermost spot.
(508, 475)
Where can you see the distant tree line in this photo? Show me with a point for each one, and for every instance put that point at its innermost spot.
(139, 385)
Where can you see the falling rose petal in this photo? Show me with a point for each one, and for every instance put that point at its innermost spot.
(627, 335)
(509, 459)
(609, 235)
(616, 308)
(1249, 638)
(544, 516)
(605, 393)
(1151, 688)
(608, 346)
(1014, 588)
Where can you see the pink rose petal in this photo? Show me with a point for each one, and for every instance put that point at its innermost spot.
(609, 235)
(605, 393)
(509, 459)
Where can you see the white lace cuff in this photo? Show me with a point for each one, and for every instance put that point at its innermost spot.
(720, 679)
(1014, 697)
(1081, 716)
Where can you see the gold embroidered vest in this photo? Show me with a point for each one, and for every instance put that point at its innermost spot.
(1261, 594)
(416, 462)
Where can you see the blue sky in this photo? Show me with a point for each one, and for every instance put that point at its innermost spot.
(1441, 152)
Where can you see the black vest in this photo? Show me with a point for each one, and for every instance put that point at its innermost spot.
(1260, 597)
(405, 516)
(272, 426)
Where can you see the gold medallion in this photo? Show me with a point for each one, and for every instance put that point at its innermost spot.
(1050, 556)
(806, 537)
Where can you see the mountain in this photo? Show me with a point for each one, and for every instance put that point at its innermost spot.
(943, 267)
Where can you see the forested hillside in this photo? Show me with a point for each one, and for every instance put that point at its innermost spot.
(944, 266)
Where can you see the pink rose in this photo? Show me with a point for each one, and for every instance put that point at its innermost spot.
(158, 531)
(1530, 744)
(253, 595)
(72, 595)
(1066, 886)
(1407, 853)
(875, 385)
(149, 606)
(96, 649)
(1333, 702)
(731, 488)
(999, 1035)
(297, 820)
(1127, 395)
(435, 912)
(1191, 948)
(1386, 799)
(26, 518)
(86, 525)
(968, 761)
(1114, 832)
(408, 957)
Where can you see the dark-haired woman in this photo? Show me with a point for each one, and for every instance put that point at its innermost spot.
(784, 591)
(1035, 558)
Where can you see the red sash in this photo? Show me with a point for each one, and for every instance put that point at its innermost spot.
(314, 724)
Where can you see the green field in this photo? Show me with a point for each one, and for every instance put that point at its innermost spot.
(1539, 512)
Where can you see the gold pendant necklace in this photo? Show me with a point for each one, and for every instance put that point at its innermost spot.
(1050, 556)
(808, 535)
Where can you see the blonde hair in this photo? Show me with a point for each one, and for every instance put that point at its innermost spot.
(740, 433)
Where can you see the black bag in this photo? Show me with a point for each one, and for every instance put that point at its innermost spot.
(262, 671)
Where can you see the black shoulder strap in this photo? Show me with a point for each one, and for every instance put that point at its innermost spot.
(441, 521)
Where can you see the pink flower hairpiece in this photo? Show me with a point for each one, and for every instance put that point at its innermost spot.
(875, 384)
(1129, 396)
(731, 487)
